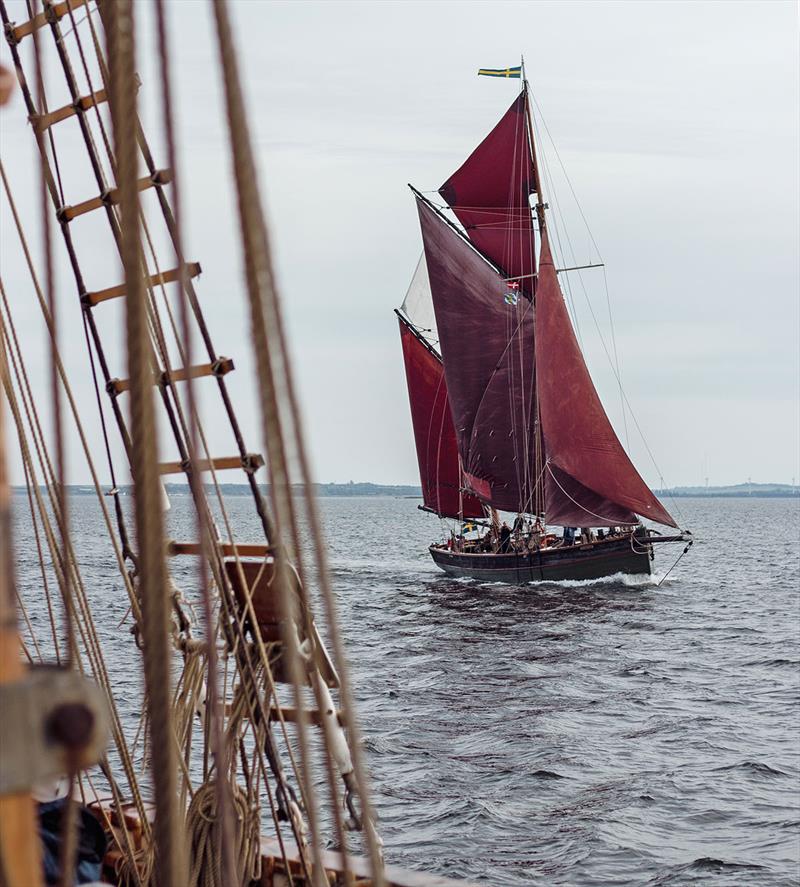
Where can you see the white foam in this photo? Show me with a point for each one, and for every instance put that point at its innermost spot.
(630, 580)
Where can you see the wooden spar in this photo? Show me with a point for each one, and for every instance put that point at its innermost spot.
(227, 549)
(251, 462)
(540, 204)
(558, 271)
(455, 228)
(417, 335)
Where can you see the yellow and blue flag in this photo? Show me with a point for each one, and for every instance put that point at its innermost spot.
(501, 72)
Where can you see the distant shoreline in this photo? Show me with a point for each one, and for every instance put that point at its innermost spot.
(409, 491)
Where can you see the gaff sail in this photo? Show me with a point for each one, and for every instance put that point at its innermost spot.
(437, 453)
(589, 480)
(489, 195)
(487, 350)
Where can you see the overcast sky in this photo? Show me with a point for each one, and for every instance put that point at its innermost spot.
(677, 124)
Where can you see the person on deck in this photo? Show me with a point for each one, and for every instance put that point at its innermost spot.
(505, 538)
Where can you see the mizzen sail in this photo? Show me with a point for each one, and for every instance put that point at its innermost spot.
(589, 479)
(434, 436)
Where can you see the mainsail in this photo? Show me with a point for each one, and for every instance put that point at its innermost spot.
(489, 196)
(487, 349)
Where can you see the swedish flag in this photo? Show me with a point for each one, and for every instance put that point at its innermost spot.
(501, 72)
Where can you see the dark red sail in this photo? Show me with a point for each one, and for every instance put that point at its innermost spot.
(487, 349)
(489, 195)
(437, 452)
(590, 481)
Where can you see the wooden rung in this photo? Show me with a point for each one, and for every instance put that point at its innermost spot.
(228, 549)
(221, 367)
(56, 12)
(41, 122)
(193, 269)
(290, 715)
(111, 197)
(251, 462)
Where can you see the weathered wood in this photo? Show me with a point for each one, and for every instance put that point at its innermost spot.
(221, 367)
(251, 462)
(111, 197)
(264, 597)
(274, 865)
(275, 868)
(193, 269)
(41, 122)
(228, 549)
(57, 11)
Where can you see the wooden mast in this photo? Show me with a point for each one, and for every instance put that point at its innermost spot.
(538, 461)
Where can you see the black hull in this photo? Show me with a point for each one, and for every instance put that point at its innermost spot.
(554, 564)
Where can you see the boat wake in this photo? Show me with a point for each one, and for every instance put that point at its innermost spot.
(626, 579)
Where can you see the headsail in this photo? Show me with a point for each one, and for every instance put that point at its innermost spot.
(437, 453)
(590, 481)
(490, 192)
(487, 348)
(418, 305)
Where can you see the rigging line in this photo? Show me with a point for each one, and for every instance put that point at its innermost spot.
(69, 825)
(615, 364)
(69, 849)
(171, 860)
(67, 389)
(10, 346)
(616, 358)
(260, 289)
(618, 378)
(91, 644)
(566, 175)
(557, 247)
(623, 395)
(245, 170)
(190, 294)
(663, 578)
(215, 725)
(154, 321)
(20, 599)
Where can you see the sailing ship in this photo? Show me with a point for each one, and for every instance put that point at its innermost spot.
(505, 415)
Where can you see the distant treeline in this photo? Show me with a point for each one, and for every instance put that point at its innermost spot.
(327, 490)
(772, 491)
(414, 492)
